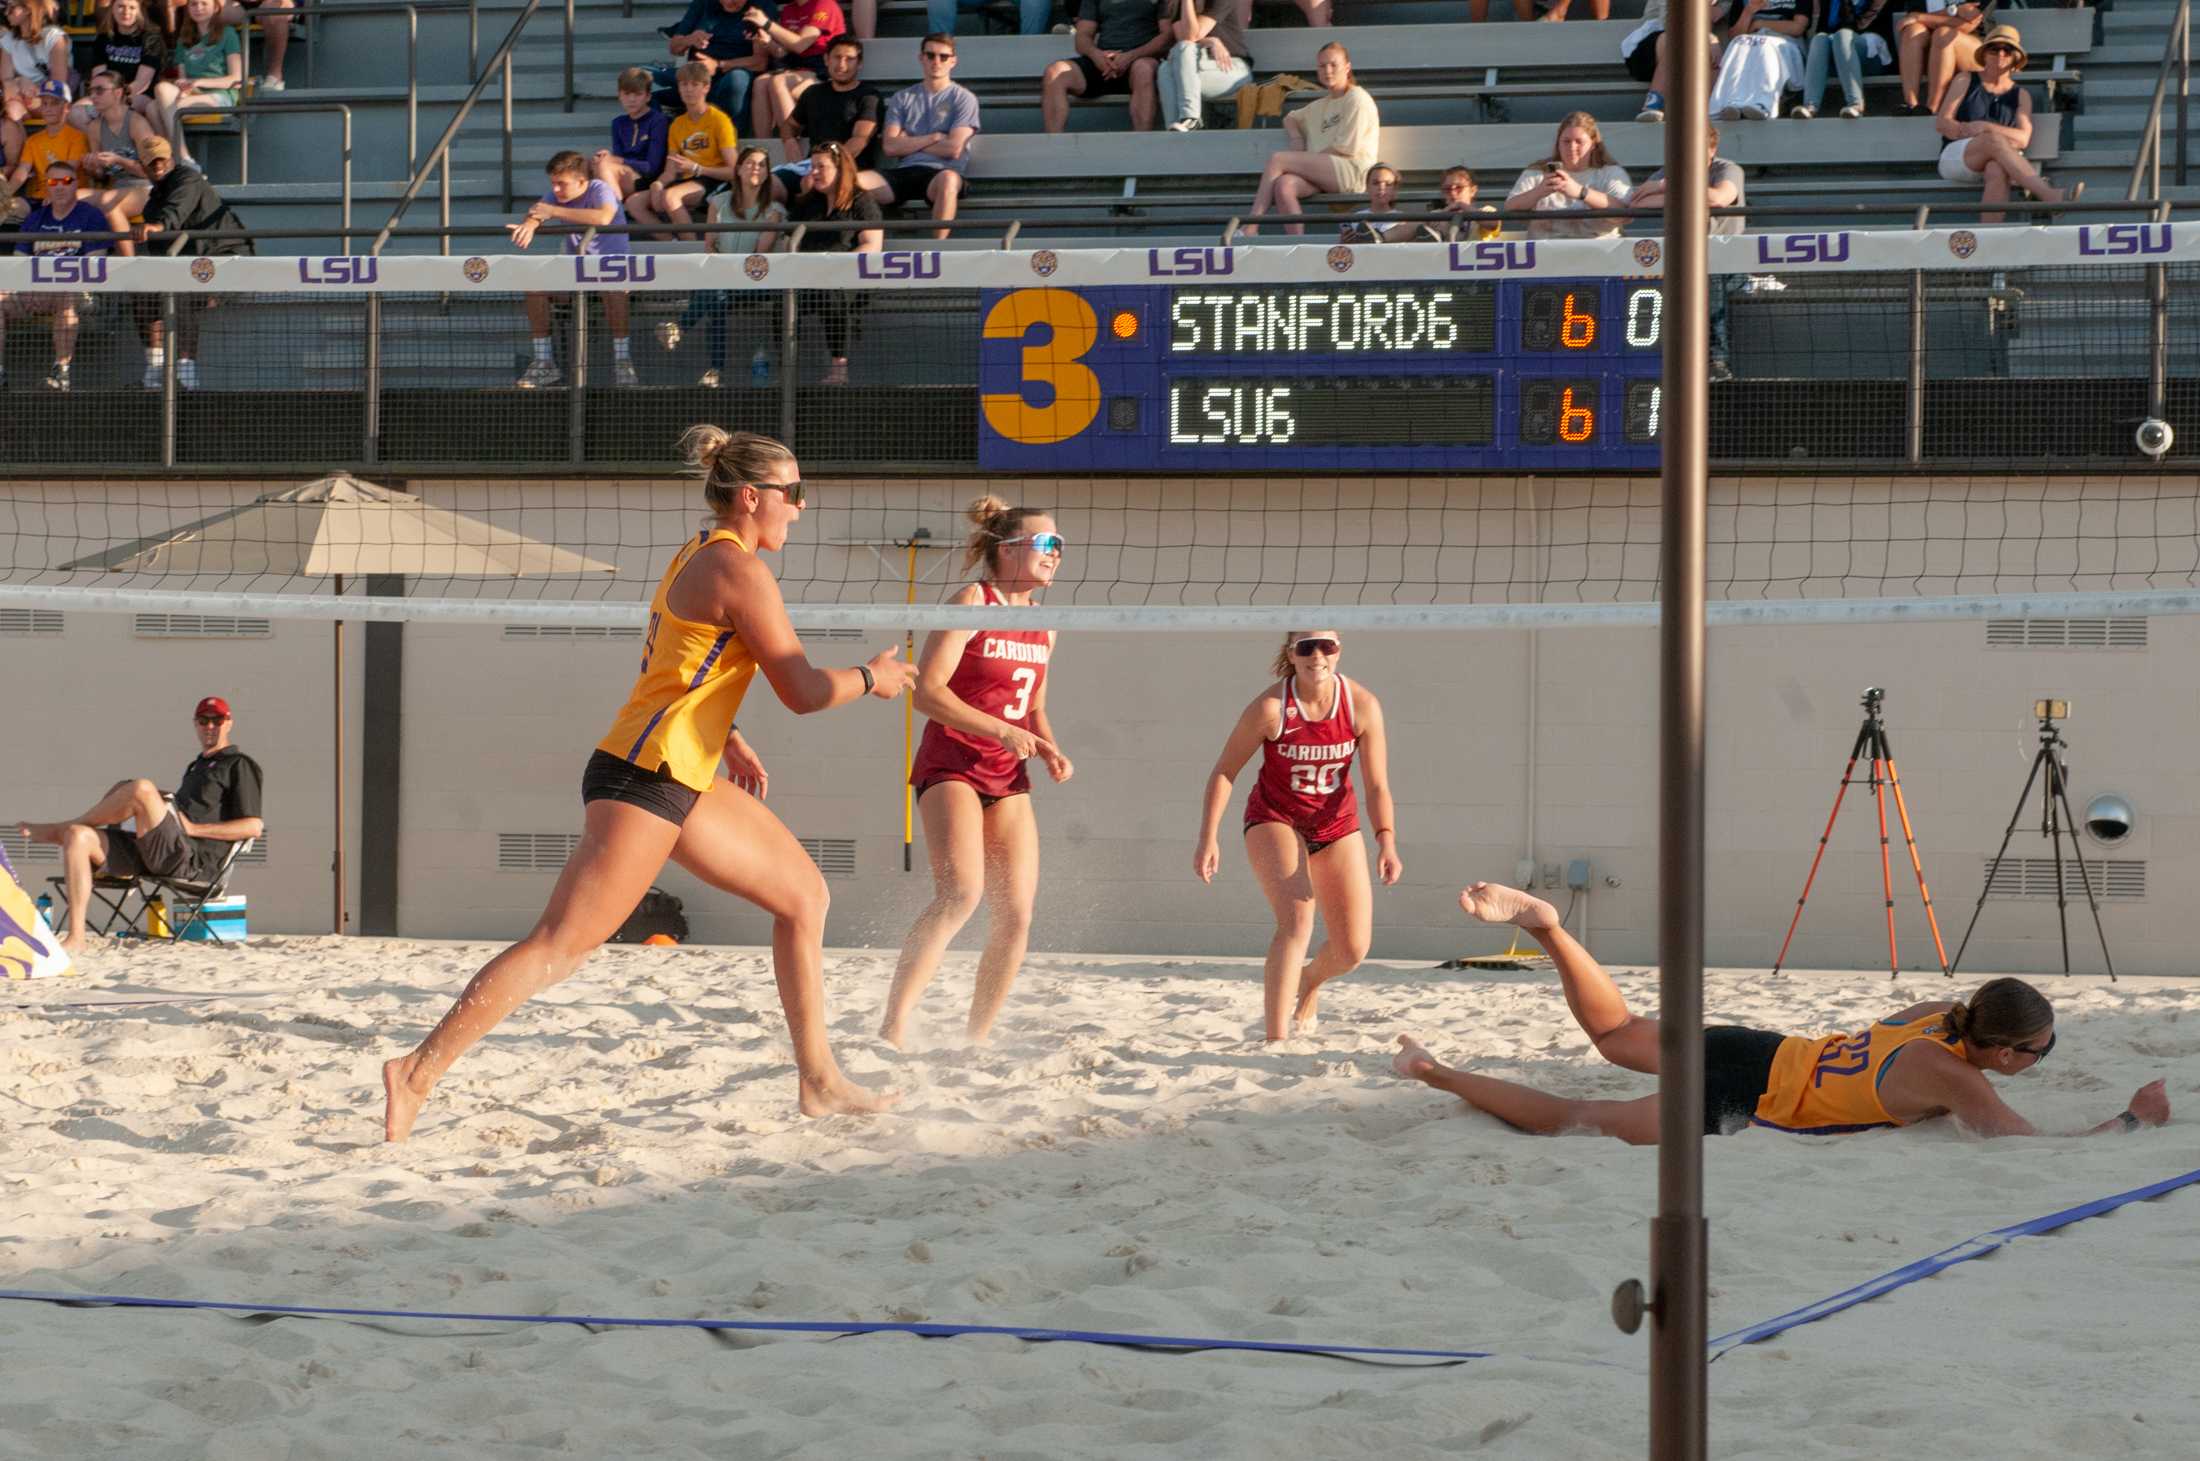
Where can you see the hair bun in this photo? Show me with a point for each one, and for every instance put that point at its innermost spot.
(984, 509)
(1958, 1019)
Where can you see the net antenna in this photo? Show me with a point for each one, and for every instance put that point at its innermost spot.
(1872, 739)
(917, 540)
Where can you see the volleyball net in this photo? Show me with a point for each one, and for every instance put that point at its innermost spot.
(1955, 419)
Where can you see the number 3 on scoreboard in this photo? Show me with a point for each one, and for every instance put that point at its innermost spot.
(1054, 365)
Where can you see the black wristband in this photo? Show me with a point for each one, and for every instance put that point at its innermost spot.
(2130, 1120)
(870, 682)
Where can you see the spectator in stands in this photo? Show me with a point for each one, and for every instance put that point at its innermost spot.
(1333, 143)
(211, 59)
(55, 141)
(33, 51)
(717, 35)
(638, 141)
(700, 149)
(1848, 33)
(1728, 189)
(1763, 58)
(586, 202)
(1579, 177)
(748, 202)
(61, 212)
(847, 110)
(794, 49)
(132, 48)
(113, 175)
(184, 834)
(930, 130)
(1479, 10)
(1119, 45)
(1382, 197)
(1987, 120)
(1207, 58)
(1455, 194)
(1950, 34)
(1032, 16)
(274, 29)
(1642, 50)
(182, 201)
(830, 194)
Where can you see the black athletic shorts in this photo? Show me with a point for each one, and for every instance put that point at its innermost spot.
(1642, 61)
(986, 801)
(914, 184)
(1737, 1064)
(608, 778)
(164, 852)
(1097, 86)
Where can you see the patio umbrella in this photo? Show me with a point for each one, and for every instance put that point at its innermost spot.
(332, 527)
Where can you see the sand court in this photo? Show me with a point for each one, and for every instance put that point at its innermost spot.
(1124, 1156)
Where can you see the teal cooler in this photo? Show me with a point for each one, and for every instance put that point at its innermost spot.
(220, 922)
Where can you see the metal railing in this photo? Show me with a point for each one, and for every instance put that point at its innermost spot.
(246, 111)
(499, 64)
(2146, 168)
(411, 10)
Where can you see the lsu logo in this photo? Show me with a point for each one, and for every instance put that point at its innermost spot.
(1963, 243)
(2125, 238)
(756, 266)
(1044, 262)
(1802, 248)
(76, 269)
(350, 269)
(614, 268)
(899, 264)
(1647, 252)
(1212, 263)
(475, 269)
(1340, 259)
(202, 270)
(1491, 254)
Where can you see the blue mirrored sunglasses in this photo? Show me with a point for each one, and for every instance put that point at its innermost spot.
(1041, 542)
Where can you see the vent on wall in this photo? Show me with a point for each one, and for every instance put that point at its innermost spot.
(534, 852)
(2034, 877)
(2066, 633)
(256, 854)
(21, 849)
(30, 621)
(572, 631)
(835, 856)
(199, 626)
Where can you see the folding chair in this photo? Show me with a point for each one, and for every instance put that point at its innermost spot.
(186, 897)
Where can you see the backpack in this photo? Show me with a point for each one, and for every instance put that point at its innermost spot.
(658, 912)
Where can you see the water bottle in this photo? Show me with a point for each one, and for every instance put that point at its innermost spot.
(45, 907)
(760, 369)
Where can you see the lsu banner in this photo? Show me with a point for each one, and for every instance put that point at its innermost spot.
(1813, 252)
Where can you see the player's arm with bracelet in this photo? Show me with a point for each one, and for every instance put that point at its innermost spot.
(1257, 724)
(937, 701)
(1375, 762)
(739, 591)
(1925, 1080)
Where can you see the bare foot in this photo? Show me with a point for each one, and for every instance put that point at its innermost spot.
(1496, 903)
(41, 831)
(840, 1096)
(72, 944)
(1412, 1061)
(895, 1033)
(1308, 1012)
(403, 1102)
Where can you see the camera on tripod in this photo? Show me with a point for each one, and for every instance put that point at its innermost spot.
(2051, 709)
(1873, 695)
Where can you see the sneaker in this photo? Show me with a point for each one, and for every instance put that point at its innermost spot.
(539, 374)
(1911, 109)
(1653, 109)
(1853, 110)
(622, 373)
(1758, 114)
(708, 380)
(1190, 124)
(1720, 370)
(1803, 114)
(270, 83)
(57, 379)
(187, 373)
(1764, 284)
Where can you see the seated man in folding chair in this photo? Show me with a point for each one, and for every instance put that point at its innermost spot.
(184, 837)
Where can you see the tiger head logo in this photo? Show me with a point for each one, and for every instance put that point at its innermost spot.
(203, 270)
(1963, 243)
(1647, 252)
(756, 266)
(475, 269)
(1044, 262)
(1340, 259)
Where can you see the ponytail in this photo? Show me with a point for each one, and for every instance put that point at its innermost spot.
(726, 460)
(2002, 1012)
(997, 521)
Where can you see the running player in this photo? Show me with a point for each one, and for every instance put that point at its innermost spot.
(985, 692)
(1929, 1060)
(1302, 822)
(652, 790)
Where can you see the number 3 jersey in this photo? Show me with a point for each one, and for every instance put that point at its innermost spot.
(999, 675)
(1825, 1084)
(1306, 771)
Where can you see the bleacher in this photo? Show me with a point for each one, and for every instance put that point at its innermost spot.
(1451, 92)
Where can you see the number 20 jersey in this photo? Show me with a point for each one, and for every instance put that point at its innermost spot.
(999, 675)
(1306, 771)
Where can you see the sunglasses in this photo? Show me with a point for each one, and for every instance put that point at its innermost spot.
(1041, 543)
(794, 490)
(209, 719)
(939, 55)
(2037, 1052)
(1305, 647)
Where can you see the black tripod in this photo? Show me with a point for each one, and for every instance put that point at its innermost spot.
(1872, 738)
(2056, 821)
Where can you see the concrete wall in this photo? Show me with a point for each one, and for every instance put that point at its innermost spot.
(496, 729)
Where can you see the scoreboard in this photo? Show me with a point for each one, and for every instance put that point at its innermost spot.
(1490, 374)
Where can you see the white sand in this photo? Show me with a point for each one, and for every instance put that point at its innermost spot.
(1123, 1157)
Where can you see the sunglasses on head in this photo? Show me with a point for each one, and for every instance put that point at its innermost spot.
(1305, 647)
(1041, 542)
(2037, 1052)
(794, 490)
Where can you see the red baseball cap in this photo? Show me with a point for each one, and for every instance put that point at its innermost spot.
(212, 705)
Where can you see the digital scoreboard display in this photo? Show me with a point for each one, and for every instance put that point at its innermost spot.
(1532, 374)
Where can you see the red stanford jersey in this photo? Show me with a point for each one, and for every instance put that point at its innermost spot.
(999, 675)
(1306, 771)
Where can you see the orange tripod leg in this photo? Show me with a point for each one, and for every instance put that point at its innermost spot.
(1819, 857)
(1886, 868)
(1902, 810)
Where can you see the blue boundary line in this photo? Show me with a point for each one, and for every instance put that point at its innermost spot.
(1946, 1258)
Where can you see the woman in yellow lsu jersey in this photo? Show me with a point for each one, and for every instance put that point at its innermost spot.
(1929, 1060)
(652, 790)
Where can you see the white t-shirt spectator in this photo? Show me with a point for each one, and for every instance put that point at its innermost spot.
(1611, 179)
(33, 58)
(921, 113)
(1349, 129)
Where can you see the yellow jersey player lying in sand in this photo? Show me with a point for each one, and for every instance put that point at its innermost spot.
(1928, 1060)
